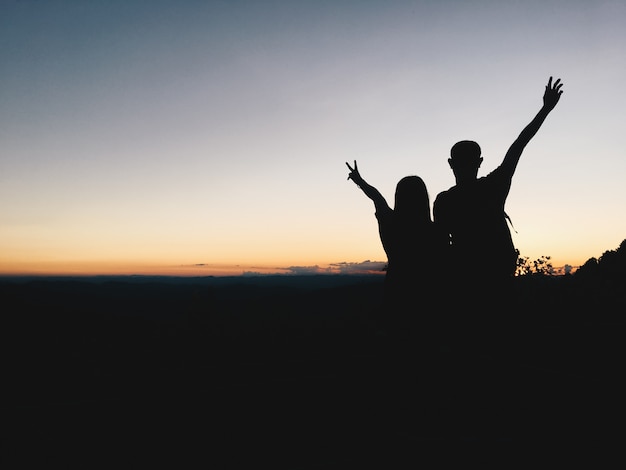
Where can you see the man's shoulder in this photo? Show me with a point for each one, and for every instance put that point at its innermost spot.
(498, 173)
(445, 192)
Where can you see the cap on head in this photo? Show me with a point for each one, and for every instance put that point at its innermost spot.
(465, 150)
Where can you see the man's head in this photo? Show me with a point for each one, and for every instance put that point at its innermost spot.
(465, 160)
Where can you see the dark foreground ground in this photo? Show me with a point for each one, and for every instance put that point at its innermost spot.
(293, 373)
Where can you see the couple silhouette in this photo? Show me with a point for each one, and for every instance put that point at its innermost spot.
(463, 258)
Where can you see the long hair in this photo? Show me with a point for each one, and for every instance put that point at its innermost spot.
(411, 199)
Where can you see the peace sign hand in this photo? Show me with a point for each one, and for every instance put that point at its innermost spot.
(354, 173)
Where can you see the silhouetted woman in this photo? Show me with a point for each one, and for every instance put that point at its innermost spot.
(414, 250)
(414, 326)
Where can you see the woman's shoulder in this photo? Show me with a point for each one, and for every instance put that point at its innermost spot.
(384, 211)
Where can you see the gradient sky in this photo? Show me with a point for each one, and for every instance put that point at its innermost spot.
(209, 137)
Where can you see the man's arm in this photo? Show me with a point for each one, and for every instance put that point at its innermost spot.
(551, 97)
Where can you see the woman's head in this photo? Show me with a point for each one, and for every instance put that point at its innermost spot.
(412, 198)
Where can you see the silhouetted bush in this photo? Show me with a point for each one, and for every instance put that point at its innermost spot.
(610, 266)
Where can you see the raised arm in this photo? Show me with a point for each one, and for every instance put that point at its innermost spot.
(551, 97)
(369, 190)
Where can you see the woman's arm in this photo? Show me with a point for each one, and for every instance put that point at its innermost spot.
(369, 190)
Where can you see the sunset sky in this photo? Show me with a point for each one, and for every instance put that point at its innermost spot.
(210, 137)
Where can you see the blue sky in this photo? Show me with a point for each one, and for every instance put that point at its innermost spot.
(156, 136)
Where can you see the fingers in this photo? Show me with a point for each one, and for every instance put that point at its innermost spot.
(556, 86)
(352, 170)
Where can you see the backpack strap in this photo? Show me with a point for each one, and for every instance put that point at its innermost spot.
(506, 216)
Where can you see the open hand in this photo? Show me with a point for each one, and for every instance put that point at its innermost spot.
(552, 94)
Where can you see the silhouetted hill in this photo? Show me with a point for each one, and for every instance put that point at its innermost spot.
(295, 369)
(160, 297)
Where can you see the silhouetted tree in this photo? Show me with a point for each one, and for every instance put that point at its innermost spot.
(539, 267)
(588, 270)
(610, 266)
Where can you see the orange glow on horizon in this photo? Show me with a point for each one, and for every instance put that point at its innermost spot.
(192, 270)
(122, 269)
(93, 268)
(185, 268)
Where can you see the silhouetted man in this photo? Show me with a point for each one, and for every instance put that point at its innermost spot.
(483, 257)
(472, 211)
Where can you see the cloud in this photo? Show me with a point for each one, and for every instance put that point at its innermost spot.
(364, 267)
(299, 270)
